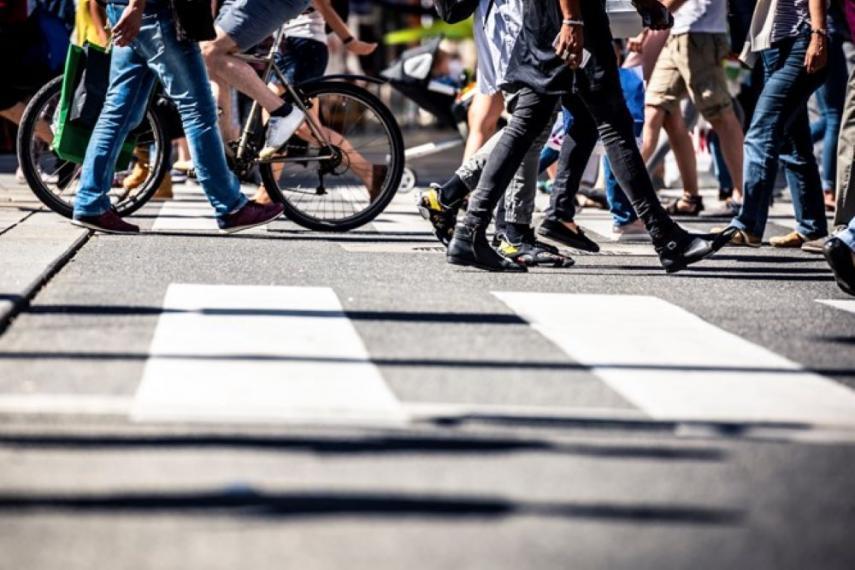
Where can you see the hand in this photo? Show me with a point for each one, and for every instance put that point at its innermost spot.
(636, 44)
(817, 54)
(569, 45)
(360, 48)
(653, 14)
(128, 26)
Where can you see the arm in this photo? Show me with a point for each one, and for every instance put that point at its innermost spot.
(96, 13)
(341, 30)
(673, 5)
(817, 52)
(568, 45)
(128, 26)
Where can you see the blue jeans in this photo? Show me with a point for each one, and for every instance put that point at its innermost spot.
(829, 99)
(722, 174)
(847, 236)
(780, 130)
(156, 54)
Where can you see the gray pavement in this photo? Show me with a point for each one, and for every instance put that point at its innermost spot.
(516, 451)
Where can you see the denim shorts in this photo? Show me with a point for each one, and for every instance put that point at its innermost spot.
(302, 59)
(248, 22)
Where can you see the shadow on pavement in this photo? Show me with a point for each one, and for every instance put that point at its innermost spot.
(245, 502)
(362, 445)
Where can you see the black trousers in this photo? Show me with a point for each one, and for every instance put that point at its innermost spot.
(599, 111)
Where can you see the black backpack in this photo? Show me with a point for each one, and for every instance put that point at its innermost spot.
(453, 11)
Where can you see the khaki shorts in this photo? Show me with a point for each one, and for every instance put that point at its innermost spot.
(691, 63)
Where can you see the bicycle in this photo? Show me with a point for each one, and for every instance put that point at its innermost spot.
(316, 177)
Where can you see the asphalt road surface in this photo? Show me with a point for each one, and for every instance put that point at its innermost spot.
(289, 399)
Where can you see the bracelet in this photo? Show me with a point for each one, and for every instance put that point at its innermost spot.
(347, 40)
(570, 22)
(820, 32)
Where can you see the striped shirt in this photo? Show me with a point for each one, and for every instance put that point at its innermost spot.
(790, 15)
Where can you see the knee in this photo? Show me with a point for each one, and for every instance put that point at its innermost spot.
(212, 53)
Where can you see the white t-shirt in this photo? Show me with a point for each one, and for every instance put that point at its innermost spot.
(310, 25)
(495, 38)
(705, 16)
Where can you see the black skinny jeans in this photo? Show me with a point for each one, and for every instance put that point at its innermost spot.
(599, 111)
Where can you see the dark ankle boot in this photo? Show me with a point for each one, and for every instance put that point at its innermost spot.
(469, 247)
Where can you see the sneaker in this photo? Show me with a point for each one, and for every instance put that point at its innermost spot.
(633, 231)
(248, 216)
(840, 259)
(817, 245)
(469, 247)
(442, 218)
(791, 240)
(739, 237)
(279, 130)
(684, 248)
(178, 176)
(557, 231)
(109, 223)
(530, 252)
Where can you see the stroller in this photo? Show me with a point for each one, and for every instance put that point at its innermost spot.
(410, 75)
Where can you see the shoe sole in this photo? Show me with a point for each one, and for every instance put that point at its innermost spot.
(95, 228)
(832, 260)
(550, 235)
(250, 226)
(463, 263)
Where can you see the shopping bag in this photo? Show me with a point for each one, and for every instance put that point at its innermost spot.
(85, 80)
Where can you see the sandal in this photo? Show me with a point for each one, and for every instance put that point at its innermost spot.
(686, 206)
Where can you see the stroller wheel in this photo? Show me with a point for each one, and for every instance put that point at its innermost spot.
(409, 180)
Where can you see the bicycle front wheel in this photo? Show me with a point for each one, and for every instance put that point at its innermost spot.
(54, 180)
(346, 184)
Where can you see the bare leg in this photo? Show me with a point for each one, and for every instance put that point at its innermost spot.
(224, 67)
(730, 134)
(222, 94)
(14, 114)
(483, 115)
(684, 152)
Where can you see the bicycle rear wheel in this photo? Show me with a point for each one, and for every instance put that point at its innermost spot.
(54, 180)
(346, 186)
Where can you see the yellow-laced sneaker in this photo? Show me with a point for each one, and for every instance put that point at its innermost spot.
(442, 218)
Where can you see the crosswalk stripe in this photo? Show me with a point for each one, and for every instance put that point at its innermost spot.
(260, 354)
(842, 304)
(674, 365)
(188, 211)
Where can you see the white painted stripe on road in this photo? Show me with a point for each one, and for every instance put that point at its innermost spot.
(260, 354)
(73, 404)
(674, 365)
(842, 304)
(189, 211)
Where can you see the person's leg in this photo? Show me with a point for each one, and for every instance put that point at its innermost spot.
(520, 195)
(130, 86)
(803, 178)
(832, 94)
(482, 118)
(181, 70)
(704, 74)
(662, 98)
(684, 153)
(845, 179)
(241, 25)
(532, 113)
(785, 93)
(722, 173)
(619, 206)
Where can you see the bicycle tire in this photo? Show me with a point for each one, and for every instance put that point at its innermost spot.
(395, 165)
(26, 133)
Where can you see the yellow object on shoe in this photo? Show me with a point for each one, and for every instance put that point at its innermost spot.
(792, 239)
(741, 238)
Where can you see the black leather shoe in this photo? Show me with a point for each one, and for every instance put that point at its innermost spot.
(684, 248)
(469, 247)
(557, 231)
(839, 257)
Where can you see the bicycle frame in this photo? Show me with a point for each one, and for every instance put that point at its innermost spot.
(270, 70)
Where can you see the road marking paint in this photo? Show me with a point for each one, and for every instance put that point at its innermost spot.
(190, 211)
(74, 404)
(674, 365)
(842, 304)
(260, 354)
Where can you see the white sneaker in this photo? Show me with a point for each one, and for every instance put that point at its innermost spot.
(633, 231)
(279, 130)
